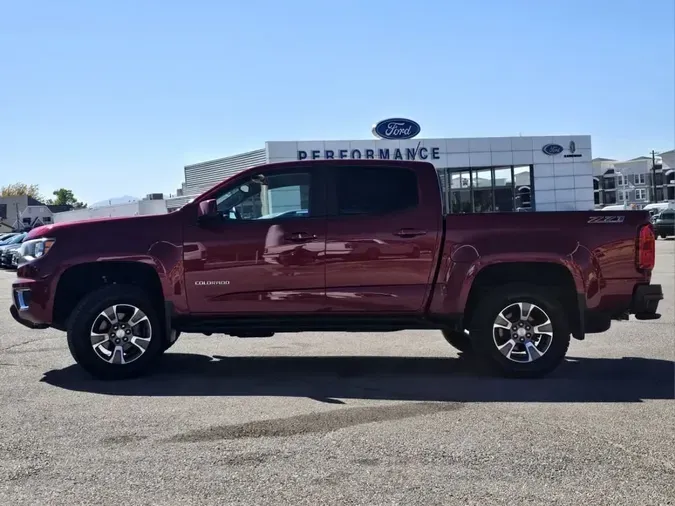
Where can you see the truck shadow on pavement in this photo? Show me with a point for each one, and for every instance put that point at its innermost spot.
(328, 379)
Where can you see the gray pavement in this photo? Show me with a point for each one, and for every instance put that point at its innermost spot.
(314, 419)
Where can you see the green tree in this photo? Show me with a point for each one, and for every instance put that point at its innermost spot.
(65, 197)
(20, 189)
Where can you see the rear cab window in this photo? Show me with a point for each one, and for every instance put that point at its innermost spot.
(374, 190)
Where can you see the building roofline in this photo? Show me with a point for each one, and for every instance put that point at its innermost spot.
(236, 155)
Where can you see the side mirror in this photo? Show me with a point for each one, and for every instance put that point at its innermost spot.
(208, 210)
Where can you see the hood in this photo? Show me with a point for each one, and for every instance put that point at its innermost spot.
(112, 237)
(95, 224)
(46, 230)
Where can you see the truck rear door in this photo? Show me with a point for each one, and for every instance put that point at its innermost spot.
(382, 236)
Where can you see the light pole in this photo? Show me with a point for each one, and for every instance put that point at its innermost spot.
(654, 153)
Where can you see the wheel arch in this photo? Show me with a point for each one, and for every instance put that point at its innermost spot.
(547, 273)
(78, 280)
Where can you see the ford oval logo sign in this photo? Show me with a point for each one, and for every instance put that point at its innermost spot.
(396, 129)
(552, 149)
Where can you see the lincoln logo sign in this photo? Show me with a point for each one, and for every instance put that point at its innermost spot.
(416, 153)
(396, 129)
(552, 149)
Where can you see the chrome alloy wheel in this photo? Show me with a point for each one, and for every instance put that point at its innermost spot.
(522, 332)
(120, 334)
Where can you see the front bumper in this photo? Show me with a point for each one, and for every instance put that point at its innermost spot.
(31, 303)
(645, 302)
(26, 323)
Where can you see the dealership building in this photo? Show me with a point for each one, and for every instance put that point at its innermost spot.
(491, 174)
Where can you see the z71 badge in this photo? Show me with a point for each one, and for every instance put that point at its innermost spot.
(606, 219)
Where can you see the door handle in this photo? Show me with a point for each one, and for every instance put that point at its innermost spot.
(300, 236)
(410, 232)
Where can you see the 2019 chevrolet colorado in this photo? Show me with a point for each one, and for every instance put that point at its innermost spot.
(336, 245)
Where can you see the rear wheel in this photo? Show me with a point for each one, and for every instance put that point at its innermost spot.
(663, 236)
(521, 331)
(114, 332)
(458, 340)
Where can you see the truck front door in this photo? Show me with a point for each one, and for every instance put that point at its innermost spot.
(266, 254)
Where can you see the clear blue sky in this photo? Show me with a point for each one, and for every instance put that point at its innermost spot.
(113, 97)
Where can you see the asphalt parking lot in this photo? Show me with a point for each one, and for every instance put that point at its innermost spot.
(341, 419)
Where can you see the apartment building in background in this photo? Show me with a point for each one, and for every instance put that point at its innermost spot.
(633, 181)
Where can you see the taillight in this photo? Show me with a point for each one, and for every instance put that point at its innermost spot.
(646, 253)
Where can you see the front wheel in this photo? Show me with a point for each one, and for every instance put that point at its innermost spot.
(521, 330)
(114, 332)
(663, 236)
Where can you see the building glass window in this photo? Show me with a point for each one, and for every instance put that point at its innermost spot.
(639, 179)
(670, 177)
(482, 191)
(503, 190)
(640, 194)
(485, 190)
(460, 192)
(523, 179)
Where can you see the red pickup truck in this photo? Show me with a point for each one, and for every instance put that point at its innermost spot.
(336, 245)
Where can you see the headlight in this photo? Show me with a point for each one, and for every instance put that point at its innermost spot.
(36, 248)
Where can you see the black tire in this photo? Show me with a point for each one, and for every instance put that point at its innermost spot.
(663, 236)
(458, 340)
(82, 319)
(167, 343)
(500, 298)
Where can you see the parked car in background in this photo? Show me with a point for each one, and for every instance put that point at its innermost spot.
(5, 237)
(657, 207)
(8, 247)
(14, 258)
(664, 223)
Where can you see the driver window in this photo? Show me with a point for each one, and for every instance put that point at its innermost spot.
(267, 196)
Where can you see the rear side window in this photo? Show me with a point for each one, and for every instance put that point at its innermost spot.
(667, 215)
(375, 190)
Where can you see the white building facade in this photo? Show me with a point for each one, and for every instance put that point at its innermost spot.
(497, 174)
